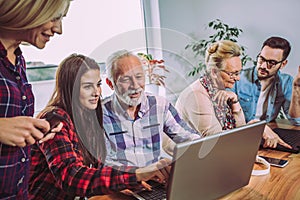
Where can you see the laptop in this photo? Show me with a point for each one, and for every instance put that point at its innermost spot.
(290, 136)
(213, 166)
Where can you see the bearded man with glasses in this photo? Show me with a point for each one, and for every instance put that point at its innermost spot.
(264, 91)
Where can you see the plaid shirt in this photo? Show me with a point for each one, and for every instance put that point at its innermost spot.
(16, 99)
(57, 170)
(138, 142)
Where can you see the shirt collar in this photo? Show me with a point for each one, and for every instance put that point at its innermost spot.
(3, 51)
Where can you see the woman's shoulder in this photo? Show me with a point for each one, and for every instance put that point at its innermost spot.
(194, 89)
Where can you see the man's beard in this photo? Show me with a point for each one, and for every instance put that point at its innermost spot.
(264, 77)
(125, 98)
(268, 75)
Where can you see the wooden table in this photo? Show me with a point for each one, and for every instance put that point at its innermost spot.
(281, 183)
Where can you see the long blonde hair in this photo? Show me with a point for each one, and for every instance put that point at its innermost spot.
(219, 51)
(17, 15)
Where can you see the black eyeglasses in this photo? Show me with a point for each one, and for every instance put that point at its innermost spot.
(270, 63)
(232, 74)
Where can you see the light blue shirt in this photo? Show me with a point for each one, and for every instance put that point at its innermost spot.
(248, 90)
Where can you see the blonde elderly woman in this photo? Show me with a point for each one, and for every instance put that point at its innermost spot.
(33, 22)
(211, 108)
(205, 104)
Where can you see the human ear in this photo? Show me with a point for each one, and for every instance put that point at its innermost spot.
(283, 64)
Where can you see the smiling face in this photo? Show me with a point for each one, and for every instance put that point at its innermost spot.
(90, 89)
(40, 35)
(130, 81)
(231, 72)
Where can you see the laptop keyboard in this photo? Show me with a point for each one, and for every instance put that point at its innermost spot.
(292, 137)
(159, 191)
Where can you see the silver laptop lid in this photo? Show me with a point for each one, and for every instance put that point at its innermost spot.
(216, 165)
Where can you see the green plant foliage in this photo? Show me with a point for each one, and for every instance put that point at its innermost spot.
(222, 32)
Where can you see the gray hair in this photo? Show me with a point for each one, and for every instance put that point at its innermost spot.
(112, 60)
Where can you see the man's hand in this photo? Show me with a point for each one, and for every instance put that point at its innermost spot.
(272, 139)
(22, 130)
(158, 171)
(296, 81)
(294, 110)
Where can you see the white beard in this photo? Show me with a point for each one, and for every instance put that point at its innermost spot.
(126, 99)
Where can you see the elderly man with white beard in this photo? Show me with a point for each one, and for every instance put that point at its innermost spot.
(138, 125)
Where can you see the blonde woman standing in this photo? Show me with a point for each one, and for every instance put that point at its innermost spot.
(33, 22)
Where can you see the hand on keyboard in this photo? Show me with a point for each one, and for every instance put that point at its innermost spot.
(271, 139)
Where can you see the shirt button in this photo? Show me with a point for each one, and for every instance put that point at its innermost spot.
(24, 97)
(23, 160)
(18, 77)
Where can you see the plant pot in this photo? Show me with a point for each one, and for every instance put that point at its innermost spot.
(155, 89)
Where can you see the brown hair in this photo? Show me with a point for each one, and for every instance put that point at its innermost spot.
(278, 43)
(88, 123)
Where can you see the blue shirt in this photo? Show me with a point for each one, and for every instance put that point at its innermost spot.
(16, 99)
(248, 89)
(138, 142)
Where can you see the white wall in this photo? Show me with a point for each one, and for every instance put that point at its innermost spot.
(90, 28)
(88, 24)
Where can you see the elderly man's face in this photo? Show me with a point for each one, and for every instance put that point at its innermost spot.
(130, 80)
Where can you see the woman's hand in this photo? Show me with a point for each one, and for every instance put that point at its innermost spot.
(224, 97)
(51, 135)
(21, 131)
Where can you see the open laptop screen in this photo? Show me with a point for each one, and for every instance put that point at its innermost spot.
(216, 165)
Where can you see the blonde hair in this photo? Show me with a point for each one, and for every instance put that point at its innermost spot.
(219, 51)
(16, 15)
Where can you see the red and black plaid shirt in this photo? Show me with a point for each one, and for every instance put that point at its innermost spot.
(57, 170)
(16, 99)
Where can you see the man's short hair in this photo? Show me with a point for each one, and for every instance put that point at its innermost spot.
(112, 60)
(278, 43)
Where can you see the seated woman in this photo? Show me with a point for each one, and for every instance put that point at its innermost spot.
(70, 164)
(205, 104)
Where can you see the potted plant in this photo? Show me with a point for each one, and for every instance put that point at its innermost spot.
(222, 32)
(154, 71)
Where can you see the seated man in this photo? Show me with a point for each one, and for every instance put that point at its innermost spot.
(138, 125)
(263, 90)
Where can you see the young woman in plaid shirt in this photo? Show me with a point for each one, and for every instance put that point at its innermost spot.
(70, 164)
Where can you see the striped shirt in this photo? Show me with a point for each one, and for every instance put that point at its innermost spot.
(138, 142)
(16, 99)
